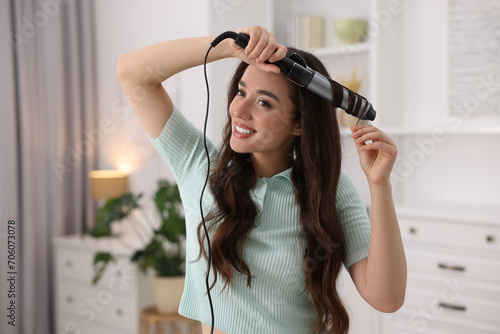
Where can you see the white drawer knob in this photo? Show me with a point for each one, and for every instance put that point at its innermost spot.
(119, 311)
(69, 264)
(69, 299)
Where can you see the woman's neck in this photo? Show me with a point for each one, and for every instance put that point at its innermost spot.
(267, 165)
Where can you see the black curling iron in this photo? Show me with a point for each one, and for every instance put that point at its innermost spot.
(296, 70)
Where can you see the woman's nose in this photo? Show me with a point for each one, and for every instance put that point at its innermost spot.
(242, 109)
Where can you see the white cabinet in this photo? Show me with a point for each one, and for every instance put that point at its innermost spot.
(453, 273)
(114, 304)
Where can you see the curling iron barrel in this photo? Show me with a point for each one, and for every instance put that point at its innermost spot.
(304, 76)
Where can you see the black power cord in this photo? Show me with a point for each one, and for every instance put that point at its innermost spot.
(209, 260)
(217, 40)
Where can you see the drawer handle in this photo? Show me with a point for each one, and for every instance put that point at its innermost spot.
(69, 299)
(69, 264)
(490, 238)
(412, 230)
(119, 311)
(453, 307)
(451, 267)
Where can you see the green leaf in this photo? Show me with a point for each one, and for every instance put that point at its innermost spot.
(115, 209)
(101, 261)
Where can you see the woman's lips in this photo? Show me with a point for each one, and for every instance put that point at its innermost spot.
(243, 126)
(242, 131)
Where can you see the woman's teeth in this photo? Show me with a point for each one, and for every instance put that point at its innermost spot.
(244, 131)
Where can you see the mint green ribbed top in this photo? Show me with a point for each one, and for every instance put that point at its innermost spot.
(274, 251)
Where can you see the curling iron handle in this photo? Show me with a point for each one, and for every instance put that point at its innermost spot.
(285, 65)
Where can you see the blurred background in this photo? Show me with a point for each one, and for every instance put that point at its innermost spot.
(430, 68)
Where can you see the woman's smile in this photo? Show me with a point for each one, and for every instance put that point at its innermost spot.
(242, 131)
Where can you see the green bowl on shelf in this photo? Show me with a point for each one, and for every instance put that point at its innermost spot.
(351, 30)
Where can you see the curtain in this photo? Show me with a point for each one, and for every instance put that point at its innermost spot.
(47, 143)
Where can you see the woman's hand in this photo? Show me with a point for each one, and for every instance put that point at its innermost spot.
(261, 46)
(378, 157)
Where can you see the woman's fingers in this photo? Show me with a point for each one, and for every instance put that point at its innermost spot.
(262, 46)
(363, 133)
(378, 145)
(269, 48)
(379, 140)
(279, 53)
(257, 43)
(253, 33)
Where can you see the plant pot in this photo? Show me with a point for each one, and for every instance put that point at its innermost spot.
(168, 293)
(351, 30)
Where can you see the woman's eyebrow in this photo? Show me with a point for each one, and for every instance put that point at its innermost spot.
(261, 91)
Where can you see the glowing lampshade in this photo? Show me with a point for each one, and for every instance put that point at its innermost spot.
(106, 184)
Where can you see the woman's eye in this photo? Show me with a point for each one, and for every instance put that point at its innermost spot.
(264, 103)
(239, 92)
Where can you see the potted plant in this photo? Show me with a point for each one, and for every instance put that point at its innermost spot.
(162, 253)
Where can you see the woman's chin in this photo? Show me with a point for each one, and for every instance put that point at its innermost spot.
(237, 147)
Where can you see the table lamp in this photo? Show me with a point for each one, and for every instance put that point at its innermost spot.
(105, 184)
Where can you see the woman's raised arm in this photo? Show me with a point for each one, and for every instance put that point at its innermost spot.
(141, 73)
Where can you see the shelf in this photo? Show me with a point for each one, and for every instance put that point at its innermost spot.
(414, 131)
(453, 212)
(341, 50)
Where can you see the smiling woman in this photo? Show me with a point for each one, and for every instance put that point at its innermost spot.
(283, 218)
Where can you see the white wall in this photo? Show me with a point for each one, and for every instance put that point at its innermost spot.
(123, 26)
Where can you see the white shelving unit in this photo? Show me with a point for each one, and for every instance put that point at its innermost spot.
(340, 50)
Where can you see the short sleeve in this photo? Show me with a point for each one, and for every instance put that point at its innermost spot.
(354, 220)
(182, 147)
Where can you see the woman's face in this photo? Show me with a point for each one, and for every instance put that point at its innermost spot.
(261, 114)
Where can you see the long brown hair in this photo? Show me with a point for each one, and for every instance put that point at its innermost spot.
(315, 175)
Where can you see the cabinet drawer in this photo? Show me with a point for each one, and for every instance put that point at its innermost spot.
(454, 234)
(450, 287)
(76, 265)
(97, 305)
(426, 304)
(450, 265)
(403, 325)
